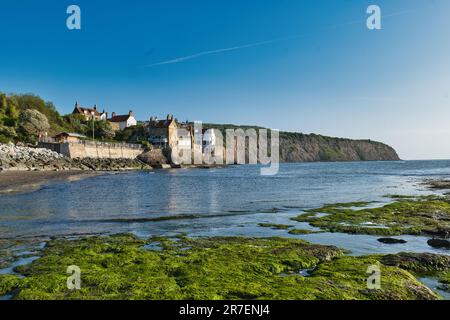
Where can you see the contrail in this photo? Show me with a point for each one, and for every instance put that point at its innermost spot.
(261, 43)
(205, 53)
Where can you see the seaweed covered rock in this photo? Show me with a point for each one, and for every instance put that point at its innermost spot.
(425, 215)
(125, 267)
(418, 262)
(275, 226)
(8, 283)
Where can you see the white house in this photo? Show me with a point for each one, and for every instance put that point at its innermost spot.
(209, 141)
(184, 139)
(120, 122)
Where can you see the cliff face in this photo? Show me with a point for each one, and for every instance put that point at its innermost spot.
(298, 147)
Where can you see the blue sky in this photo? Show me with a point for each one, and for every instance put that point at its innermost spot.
(306, 66)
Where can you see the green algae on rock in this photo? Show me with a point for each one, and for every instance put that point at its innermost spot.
(422, 264)
(8, 283)
(301, 231)
(429, 215)
(275, 226)
(418, 262)
(122, 267)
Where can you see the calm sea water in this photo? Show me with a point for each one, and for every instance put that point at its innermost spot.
(217, 202)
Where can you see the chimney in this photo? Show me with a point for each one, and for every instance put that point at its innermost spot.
(95, 107)
(113, 115)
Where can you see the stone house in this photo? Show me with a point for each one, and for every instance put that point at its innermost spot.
(121, 122)
(163, 133)
(88, 113)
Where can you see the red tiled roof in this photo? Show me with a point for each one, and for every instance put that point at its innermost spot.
(81, 110)
(121, 118)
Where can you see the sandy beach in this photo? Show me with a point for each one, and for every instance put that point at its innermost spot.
(27, 181)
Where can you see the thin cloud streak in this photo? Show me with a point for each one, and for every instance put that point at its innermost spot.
(261, 43)
(205, 53)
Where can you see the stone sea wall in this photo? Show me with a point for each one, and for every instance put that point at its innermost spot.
(96, 150)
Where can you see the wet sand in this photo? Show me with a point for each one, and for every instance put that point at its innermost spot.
(27, 181)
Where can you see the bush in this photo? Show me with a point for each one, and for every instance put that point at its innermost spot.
(32, 123)
(4, 139)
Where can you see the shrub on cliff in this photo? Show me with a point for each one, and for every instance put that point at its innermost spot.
(32, 123)
(103, 130)
(31, 101)
(7, 133)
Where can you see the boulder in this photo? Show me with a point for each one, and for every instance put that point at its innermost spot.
(392, 241)
(439, 243)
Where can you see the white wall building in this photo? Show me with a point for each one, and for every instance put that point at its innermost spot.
(122, 121)
(209, 142)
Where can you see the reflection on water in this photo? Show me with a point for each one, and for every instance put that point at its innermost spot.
(20, 262)
(220, 195)
(436, 286)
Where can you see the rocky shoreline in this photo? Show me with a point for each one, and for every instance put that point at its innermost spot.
(231, 268)
(21, 158)
(26, 169)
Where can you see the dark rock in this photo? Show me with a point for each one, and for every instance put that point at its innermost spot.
(418, 262)
(391, 240)
(440, 233)
(154, 157)
(439, 243)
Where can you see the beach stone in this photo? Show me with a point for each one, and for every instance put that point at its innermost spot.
(392, 241)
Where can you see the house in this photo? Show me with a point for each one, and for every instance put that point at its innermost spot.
(120, 122)
(184, 139)
(90, 112)
(64, 137)
(163, 133)
(209, 142)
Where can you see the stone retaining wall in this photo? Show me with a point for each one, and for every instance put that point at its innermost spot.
(95, 150)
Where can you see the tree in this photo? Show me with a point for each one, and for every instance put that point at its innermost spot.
(76, 123)
(7, 132)
(103, 130)
(32, 123)
(11, 114)
(30, 101)
(3, 103)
